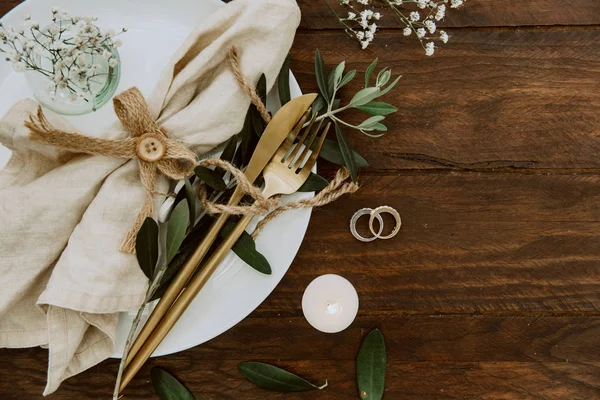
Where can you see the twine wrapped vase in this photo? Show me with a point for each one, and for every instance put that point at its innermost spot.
(64, 214)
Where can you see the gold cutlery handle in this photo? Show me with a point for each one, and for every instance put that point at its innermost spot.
(182, 302)
(182, 277)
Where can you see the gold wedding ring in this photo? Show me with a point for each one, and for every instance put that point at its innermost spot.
(375, 215)
(355, 218)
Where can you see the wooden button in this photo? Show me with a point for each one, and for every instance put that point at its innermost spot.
(151, 148)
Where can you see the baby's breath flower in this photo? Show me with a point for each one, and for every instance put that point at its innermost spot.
(113, 62)
(430, 25)
(360, 22)
(440, 13)
(429, 48)
(444, 36)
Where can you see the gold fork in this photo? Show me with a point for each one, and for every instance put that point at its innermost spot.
(276, 132)
(285, 173)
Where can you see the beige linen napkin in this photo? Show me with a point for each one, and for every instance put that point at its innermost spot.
(63, 216)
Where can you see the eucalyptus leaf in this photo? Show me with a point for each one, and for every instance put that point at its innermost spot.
(177, 228)
(190, 196)
(370, 367)
(347, 78)
(314, 183)
(276, 379)
(167, 387)
(369, 72)
(211, 177)
(321, 75)
(383, 77)
(364, 96)
(390, 86)
(347, 153)
(283, 81)
(369, 122)
(245, 248)
(146, 247)
(332, 153)
(377, 108)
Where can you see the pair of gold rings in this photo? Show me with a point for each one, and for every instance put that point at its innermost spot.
(375, 214)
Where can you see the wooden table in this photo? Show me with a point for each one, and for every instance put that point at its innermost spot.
(492, 288)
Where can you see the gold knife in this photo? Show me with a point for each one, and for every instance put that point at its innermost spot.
(275, 133)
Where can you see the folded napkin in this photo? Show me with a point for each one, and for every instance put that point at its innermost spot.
(64, 215)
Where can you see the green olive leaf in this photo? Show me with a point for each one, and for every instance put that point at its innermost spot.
(379, 127)
(369, 122)
(390, 86)
(364, 96)
(245, 248)
(283, 82)
(167, 387)
(383, 77)
(335, 77)
(318, 105)
(146, 247)
(229, 149)
(249, 141)
(347, 153)
(332, 153)
(211, 177)
(190, 196)
(370, 367)
(314, 183)
(369, 72)
(276, 379)
(321, 75)
(377, 108)
(347, 78)
(176, 228)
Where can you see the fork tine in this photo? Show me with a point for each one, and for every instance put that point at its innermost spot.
(315, 154)
(307, 147)
(289, 141)
(305, 133)
(294, 134)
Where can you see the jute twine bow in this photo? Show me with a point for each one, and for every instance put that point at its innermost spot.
(156, 152)
(338, 187)
(175, 162)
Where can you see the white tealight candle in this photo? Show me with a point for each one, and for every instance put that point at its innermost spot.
(330, 303)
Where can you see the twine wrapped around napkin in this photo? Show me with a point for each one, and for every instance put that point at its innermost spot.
(64, 214)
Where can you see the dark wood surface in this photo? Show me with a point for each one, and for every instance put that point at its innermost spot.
(492, 288)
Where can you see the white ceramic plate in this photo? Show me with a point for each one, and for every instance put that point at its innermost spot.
(155, 30)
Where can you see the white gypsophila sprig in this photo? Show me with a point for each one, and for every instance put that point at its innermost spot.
(67, 52)
(420, 18)
(360, 22)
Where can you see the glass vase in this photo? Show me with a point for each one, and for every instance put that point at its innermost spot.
(71, 98)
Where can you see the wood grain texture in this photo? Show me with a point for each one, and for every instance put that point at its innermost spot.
(432, 357)
(470, 243)
(475, 13)
(499, 99)
(492, 289)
